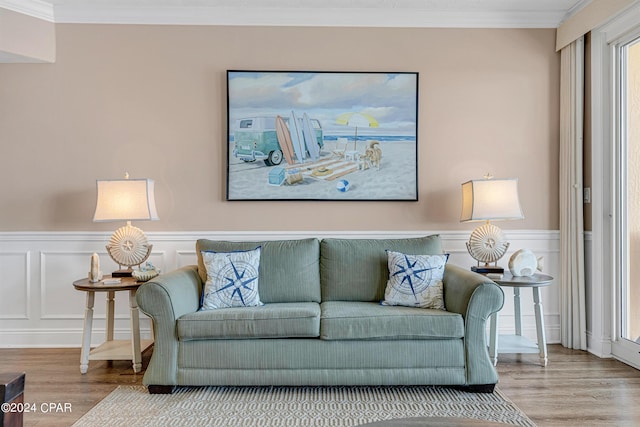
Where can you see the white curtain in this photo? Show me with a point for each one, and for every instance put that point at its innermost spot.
(572, 284)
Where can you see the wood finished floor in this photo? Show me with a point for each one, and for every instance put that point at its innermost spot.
(576, 388)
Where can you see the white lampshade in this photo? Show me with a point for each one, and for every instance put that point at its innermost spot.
(125, 200)
(490, 199)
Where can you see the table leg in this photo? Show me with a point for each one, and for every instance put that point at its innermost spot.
(517, 313)
(542, 340)
(135, 332)
(86, 333)
(111, 295)
(493, 339)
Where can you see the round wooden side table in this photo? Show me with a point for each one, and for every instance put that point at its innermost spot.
(517, 343)
(111, 349)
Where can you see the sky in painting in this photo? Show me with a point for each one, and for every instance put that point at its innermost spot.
(391, 98)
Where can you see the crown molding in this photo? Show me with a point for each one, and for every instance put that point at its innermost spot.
(309, 17)
(326, 16)
(14, 58)
(34, 8)
(578, 7)
(499, 15)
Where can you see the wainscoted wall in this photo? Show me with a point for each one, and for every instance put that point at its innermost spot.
(151, 100)
(40, 308)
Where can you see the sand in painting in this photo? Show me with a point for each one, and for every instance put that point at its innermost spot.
(396, 179)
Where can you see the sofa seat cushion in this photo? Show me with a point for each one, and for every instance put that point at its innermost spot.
(277, 320)
(350, 320)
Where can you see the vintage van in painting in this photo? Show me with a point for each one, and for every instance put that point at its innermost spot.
(255, 139)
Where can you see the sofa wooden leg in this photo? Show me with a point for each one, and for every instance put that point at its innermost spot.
(160, 389)
(478, 388)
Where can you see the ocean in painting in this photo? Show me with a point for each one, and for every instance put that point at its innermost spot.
(363, 138)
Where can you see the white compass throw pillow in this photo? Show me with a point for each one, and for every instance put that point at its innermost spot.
(415, 280)
(232, 279)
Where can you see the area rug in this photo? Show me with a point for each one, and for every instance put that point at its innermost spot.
(295, 406)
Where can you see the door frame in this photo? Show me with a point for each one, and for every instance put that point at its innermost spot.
(602, 337)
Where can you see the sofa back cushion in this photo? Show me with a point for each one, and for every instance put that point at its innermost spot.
(356, 269)
(289, 269)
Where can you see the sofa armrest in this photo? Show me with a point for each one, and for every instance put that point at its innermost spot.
(476, 297)
(460, 285)
(165, 298)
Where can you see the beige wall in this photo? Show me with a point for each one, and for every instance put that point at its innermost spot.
(24, 38)
(151, 100)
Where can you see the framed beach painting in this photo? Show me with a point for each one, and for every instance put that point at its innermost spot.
(295, 135)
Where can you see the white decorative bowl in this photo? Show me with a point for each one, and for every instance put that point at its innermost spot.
(143, 276)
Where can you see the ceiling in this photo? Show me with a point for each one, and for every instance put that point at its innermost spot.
(385, 13)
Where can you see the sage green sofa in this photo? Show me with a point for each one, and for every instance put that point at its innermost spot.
(321, 323)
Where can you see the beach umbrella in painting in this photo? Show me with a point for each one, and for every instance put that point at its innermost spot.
(357, 120)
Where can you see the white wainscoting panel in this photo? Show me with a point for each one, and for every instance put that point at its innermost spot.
(39, 306)
(15, 285)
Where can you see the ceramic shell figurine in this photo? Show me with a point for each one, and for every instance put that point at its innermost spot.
(524, 263)
(95, 275)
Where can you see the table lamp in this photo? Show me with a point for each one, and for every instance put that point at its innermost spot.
(126, 200)
(486, 200)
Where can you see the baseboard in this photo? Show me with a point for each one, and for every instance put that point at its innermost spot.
(61, 338)
(601, 347)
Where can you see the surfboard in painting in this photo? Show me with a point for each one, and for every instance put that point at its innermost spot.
(310, 138)
(296, 137)
(284, 139)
